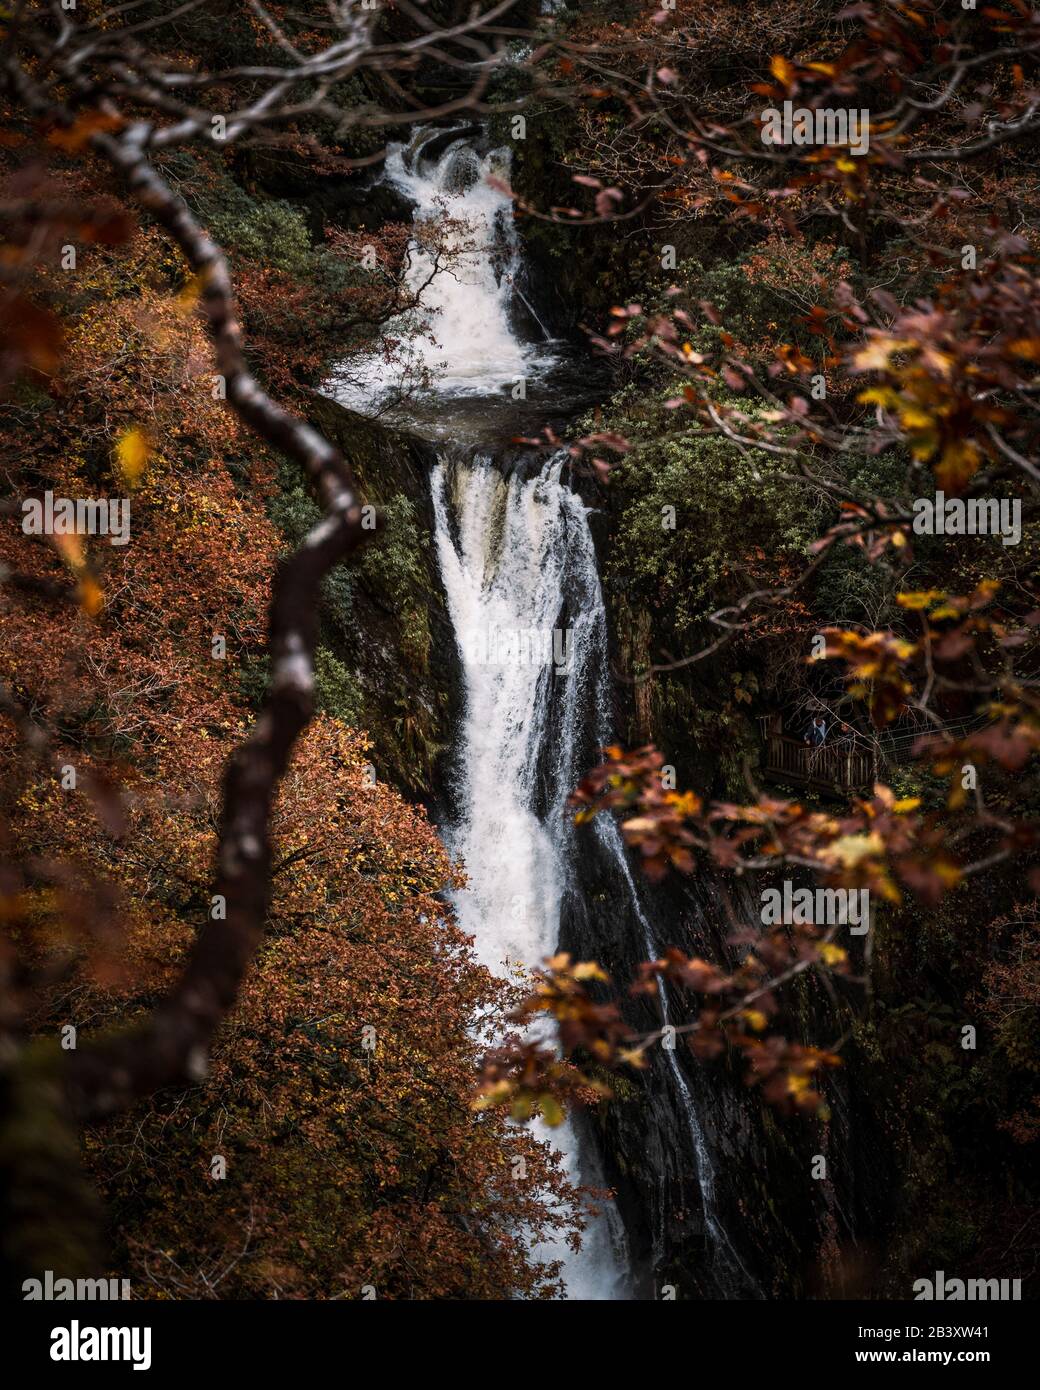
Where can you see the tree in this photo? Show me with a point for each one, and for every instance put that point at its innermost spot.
(86, 90)
(884, 381)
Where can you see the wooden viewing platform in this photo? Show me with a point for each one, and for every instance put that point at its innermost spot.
(847, 762)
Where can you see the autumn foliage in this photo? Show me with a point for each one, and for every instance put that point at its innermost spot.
(337, 1098)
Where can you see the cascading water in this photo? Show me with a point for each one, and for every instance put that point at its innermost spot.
(519, 570)
(730, 1272)
(460, 341)
(516, 554)
(508, 550)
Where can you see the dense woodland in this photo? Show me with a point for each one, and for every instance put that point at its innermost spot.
(342, 1069)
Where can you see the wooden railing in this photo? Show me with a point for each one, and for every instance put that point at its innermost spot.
(849, 763)
(843, 766)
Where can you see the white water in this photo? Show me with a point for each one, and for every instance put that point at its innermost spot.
(459, 342)
(508, 549)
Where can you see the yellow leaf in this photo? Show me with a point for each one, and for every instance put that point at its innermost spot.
(831, 954)
(914, 418)
(132, 454)
(877, 354)
(91, 596)
(918, 598)
(948, 872)
(686, 803)
(879, 395)
(850, 850)
(959, 463)
(590, 970)
(552, 1110)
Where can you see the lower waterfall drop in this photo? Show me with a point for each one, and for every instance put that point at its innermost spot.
(517, 559)
(508, 550)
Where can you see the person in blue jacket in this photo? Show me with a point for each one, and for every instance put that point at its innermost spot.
(818, 731)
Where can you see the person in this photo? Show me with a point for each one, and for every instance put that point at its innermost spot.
(818, 732)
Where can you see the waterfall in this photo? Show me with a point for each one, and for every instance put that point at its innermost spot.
(523, 593)
(460, 341)
(509, 550)
(516, 555)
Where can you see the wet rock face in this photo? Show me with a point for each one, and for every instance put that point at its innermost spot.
(355, 207)
(429, 146)
(463, 170)
(352, 201)
(785, 1235)
(748, 1245)
(646, 1147)
(391, 465)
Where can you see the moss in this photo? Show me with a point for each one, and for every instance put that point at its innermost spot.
(337, 690)
(395, 568)
(273, 233)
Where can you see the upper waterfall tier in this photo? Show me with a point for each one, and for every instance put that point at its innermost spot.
(457, 364)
